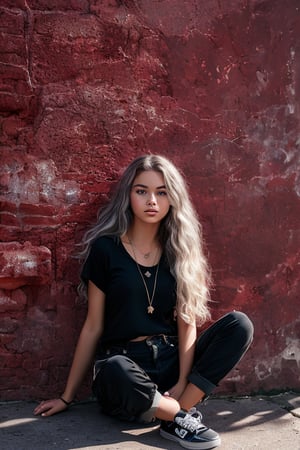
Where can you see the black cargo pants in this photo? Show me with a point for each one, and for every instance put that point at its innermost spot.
(130, 379)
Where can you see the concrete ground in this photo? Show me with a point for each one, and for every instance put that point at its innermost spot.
(260, 423)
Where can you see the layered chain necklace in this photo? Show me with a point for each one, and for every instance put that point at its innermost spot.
(150, 308)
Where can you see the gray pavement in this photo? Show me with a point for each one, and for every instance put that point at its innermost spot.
(260, 423)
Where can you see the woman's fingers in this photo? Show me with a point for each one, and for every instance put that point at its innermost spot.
(49, 407)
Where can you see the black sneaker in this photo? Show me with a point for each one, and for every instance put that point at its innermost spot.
(190, 432)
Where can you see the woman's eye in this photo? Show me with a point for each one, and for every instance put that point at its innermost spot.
(140, 191)
(162, 193)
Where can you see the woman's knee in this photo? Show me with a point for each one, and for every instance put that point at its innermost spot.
(123, 389)
(242, 325)
(113, 380)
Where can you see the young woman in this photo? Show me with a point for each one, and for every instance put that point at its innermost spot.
(147, 283)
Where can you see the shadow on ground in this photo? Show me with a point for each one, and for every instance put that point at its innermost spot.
(246, 423)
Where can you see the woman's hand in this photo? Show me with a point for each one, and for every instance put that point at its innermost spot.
(50, 407)
(177, 390)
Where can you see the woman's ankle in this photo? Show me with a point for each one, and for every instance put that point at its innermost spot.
(167, 408)
(191, 396)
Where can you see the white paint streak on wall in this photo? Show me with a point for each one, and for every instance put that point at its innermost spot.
(291, 88)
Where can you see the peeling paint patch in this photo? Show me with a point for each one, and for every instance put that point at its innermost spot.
(273, 366)
(38, 182)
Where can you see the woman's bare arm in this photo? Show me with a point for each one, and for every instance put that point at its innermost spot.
(84, 353)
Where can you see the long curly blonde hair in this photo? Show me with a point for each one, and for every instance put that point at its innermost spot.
(180, 235)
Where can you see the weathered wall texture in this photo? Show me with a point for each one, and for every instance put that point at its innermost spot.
(86, 85)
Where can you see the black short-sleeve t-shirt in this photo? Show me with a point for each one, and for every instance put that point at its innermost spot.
(110, 267)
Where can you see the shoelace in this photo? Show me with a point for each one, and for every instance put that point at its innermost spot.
(195, 413)
(190, 423)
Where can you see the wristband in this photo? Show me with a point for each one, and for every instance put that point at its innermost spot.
(65, 401)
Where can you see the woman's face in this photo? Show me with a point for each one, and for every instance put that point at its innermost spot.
(148, 198)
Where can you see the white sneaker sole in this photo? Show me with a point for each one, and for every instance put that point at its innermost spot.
(191, 445)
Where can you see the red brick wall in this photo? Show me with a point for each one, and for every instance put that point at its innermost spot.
(87, 85)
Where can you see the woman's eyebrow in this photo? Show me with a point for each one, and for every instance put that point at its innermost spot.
(140, 185)
(145, 186)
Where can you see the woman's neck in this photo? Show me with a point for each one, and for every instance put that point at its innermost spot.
(143, 235)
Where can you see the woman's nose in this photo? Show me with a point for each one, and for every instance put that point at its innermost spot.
(151, 200)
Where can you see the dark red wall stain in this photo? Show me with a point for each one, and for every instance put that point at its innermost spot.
(85, 86)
